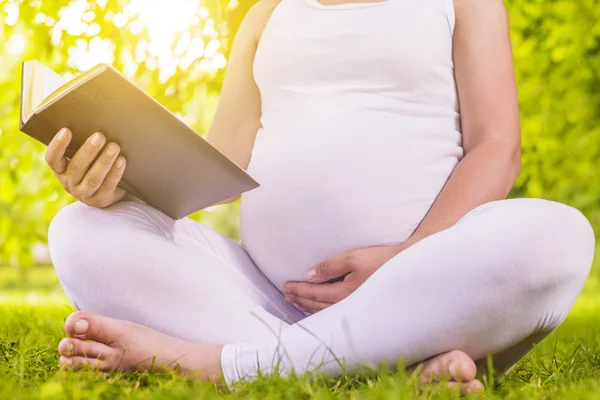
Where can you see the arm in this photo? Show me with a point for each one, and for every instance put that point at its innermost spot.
(490, 116)
(237, 119)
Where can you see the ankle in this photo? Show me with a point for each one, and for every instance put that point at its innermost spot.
(203, 362)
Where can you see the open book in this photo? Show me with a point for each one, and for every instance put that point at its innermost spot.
(169, 166)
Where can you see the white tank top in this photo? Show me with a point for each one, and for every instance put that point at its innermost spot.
(360, 129)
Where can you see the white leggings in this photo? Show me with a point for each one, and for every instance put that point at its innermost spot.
(496, 283)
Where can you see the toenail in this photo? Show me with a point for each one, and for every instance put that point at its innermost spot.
(64, 361)
(81, 326)
(453, 368)
(69, 347)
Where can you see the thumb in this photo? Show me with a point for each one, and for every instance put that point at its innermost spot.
(330, 269)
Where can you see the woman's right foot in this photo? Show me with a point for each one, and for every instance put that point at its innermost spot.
(108, 344)
(456, 367)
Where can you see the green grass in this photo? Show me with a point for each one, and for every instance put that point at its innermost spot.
(566, 365)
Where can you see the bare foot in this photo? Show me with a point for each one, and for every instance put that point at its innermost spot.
(108, 344)
(454, 366)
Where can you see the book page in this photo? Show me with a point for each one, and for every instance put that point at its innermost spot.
(63, 89)
(39, 82)
(26, 81)
(51, 80)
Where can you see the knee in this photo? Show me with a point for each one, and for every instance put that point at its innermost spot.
(568, 240)
(81, 237)
(88, 241)
(558, 243)
(68, 225)
(68, 234)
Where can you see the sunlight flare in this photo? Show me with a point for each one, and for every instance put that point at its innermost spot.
(166, 42)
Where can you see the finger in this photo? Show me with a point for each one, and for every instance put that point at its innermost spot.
(320, 292)
(330, 269)
(83, 159)
(108, 189)
(55, 153)
(307, 305)
(94, 178)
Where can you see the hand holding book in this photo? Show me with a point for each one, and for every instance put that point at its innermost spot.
(93, 174)
(169, 166)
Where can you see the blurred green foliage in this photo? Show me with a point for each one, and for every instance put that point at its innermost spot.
(557, 56)
(56, 33)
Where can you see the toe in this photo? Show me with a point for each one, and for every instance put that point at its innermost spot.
(89, 326)
(461, 367)
(473, 387)
(454, 365)
(77, 324)
(71, 347)
(77, 363)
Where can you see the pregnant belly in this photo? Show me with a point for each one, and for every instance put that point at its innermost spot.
(317, 202)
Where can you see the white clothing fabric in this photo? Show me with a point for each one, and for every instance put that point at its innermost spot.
(360, 129)
(496, 283)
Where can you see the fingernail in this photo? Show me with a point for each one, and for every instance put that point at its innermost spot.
(120, 162)
(81, 326)
(312, 274)
(96, 139)
(62, 135)
(288, 298)
(112, 150)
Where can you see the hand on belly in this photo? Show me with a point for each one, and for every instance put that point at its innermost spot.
(335, 279)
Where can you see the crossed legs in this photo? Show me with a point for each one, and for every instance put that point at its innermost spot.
(496, 283)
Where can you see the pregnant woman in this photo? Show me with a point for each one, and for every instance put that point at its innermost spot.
(380, 232)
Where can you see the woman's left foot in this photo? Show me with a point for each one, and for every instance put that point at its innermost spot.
(108, 344)
(456, 367)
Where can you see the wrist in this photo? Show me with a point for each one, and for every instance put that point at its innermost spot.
(400, 248)
(415, 238)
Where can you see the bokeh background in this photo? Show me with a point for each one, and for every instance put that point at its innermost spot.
(177, 51)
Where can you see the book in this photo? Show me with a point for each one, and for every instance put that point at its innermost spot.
(169, 166)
